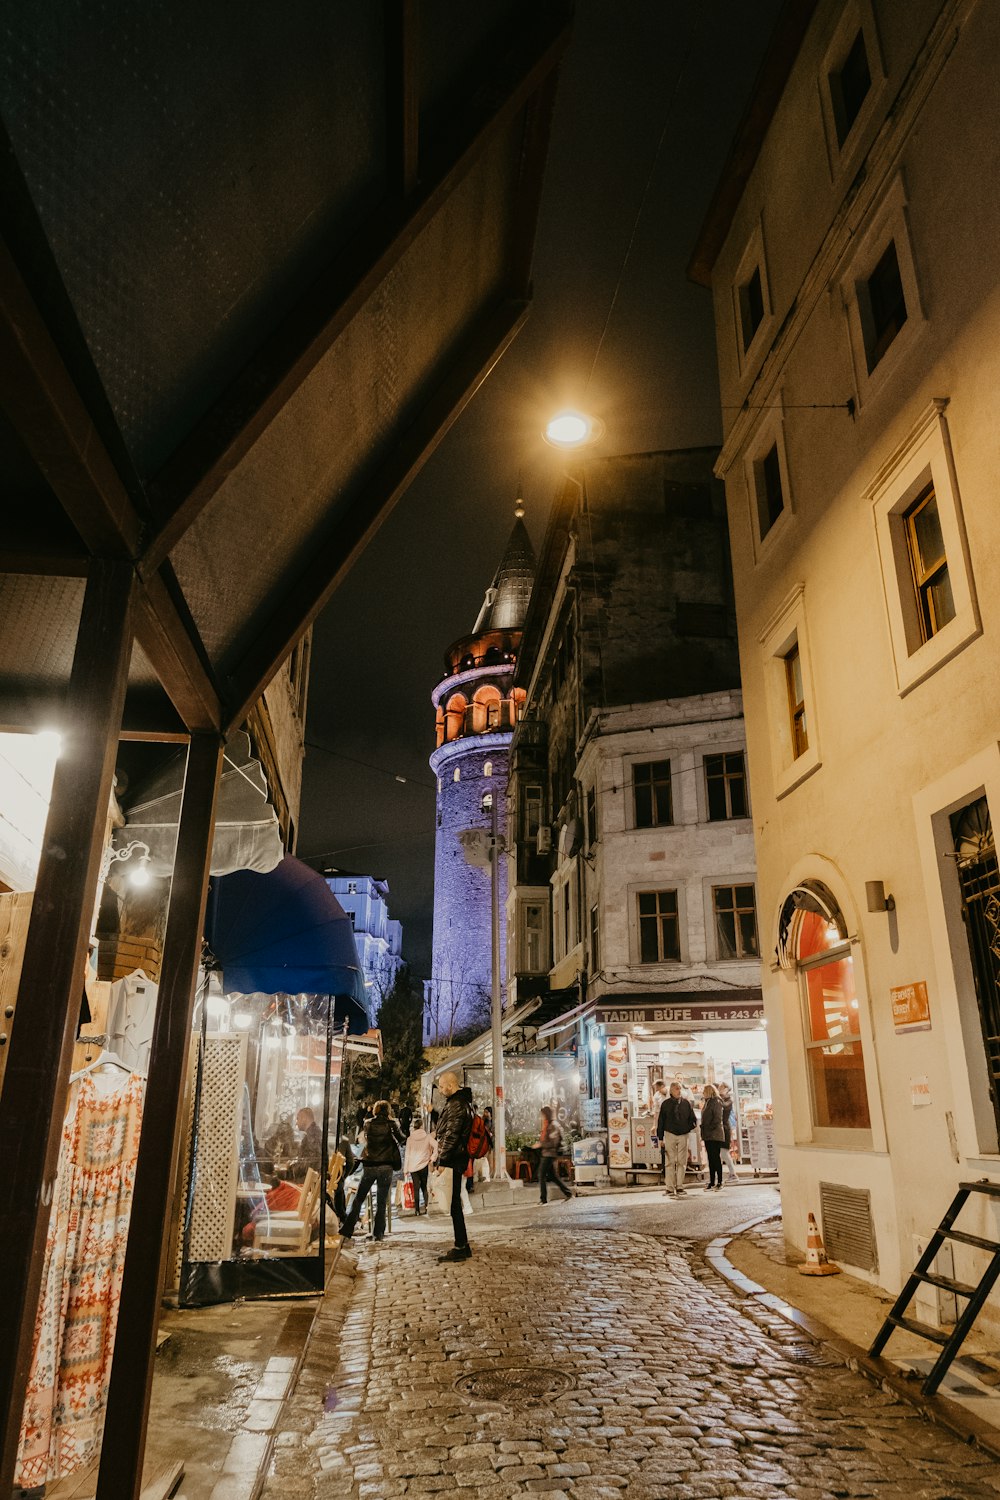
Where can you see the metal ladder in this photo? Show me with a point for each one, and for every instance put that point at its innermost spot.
(975, 1295)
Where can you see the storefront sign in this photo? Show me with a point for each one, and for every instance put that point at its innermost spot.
(911, 1007)
(693, 1014)
(619, 1134)
(920, 1091)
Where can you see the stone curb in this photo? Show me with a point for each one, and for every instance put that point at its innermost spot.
(938, 1409)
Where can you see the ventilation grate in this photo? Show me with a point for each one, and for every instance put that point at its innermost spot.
(848, 1230)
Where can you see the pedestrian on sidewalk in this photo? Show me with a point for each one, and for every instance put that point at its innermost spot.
(713, 1134)
(380, 1160)
(673, 1126)
(417, 1160)
(453, 1127)
(549, 1146)
(728, 1117)
(658, 1099)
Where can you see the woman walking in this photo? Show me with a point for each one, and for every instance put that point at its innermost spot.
(419, 1155)
(380, 1161)
(713, 1134)
(550, 1145)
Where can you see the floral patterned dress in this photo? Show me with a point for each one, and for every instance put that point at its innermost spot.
(81, 1279)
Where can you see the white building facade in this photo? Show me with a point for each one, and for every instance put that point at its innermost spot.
(378, 937)
(851, 251)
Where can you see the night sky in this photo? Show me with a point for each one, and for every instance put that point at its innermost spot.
(650, 95)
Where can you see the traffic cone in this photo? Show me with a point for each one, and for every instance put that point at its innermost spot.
(816, 1263)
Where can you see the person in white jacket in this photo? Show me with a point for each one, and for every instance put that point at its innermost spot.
(420, 1148)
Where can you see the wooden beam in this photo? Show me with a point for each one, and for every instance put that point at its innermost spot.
(307, 594)
(43, 404)
(534, 149)
(124, 1440)
(33, 1102)
(169, 637)
(402, 48)
(202, 464)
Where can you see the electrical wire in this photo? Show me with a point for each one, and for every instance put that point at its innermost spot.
(371, 766)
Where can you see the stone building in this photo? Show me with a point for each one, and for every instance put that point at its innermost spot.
(477, 706)
(378, 936)
(851, 252)
(633, 885)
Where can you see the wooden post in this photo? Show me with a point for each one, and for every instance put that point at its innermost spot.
(33, 1101)
(124, 1443)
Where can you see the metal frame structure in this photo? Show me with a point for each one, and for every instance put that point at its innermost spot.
(118, 532)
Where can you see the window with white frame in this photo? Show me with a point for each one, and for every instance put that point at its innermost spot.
(766, 465)
(534, 956)
(851, 82)
(831, 1024)
(752, 313)
(790, 697)
(927, 575)
(881, 294)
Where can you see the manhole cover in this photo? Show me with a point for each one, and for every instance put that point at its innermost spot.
(808, 1354)
(517, 1385)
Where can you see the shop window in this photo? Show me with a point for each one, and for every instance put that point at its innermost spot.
(652, 799)
(796, 701)
(735, 921)
(726, 786)
(834, 1056)
(595, 940)
(659, 927)
(929, 565)
(928, 584)
(849, 87)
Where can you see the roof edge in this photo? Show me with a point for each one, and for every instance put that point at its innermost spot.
(779, 59)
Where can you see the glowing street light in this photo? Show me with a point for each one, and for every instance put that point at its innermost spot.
(573, 429)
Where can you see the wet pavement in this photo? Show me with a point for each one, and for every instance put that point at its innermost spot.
(588, 1350)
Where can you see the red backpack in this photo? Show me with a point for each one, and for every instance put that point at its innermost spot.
(479, 1139)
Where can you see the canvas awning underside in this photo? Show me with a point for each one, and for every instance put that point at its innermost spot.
(255, 260)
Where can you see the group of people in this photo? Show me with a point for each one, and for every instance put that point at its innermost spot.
(444, 1145)
(677, 1123)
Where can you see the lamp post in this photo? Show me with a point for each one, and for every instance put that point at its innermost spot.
(499, 1106)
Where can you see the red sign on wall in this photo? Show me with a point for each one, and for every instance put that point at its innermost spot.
(911, 1007)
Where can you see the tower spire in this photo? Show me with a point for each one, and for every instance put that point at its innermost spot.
(519, 502)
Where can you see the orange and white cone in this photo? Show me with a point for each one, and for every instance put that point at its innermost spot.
(816, 1263)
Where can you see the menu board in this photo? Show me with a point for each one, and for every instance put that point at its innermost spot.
(763, 1156)
(616, 1068)
(619, 1134)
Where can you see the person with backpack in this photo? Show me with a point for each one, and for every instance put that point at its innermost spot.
(454, 1127)
(380, 1160)
(549, 1146)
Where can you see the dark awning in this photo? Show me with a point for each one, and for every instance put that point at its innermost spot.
(286, 933)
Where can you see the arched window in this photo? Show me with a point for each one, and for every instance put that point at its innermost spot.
(485, 708)
(488, 768)
(486, 805)
(457, 774)
(439, 727)
(813, 941)
(455, 716)
(492, 656)
(517, 698)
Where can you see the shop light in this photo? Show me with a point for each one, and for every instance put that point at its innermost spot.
(139, 875)
(595, 1043)
(51, 741)
(243, 1020)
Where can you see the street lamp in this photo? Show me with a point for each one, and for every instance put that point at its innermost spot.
(573, 429)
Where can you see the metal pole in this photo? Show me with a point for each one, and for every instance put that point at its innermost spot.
(499, 1117)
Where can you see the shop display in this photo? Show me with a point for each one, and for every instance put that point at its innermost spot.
(131, 1013)
(763, 1154)
(82, 1274)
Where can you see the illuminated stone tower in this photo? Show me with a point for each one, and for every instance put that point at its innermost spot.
(477, 707)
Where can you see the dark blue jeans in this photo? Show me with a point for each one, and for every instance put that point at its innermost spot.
(547, 1172)
(382, 1178)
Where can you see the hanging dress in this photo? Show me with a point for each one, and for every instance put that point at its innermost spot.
(81, 1279)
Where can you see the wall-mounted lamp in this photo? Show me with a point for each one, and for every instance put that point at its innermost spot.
(573, 429)
(876, 897)
(138, 876)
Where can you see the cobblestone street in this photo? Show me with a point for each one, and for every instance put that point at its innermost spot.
(643, 1374)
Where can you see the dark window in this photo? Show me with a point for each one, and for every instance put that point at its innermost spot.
(659, 929)
(882, 305)
(751, 295)
(735, 921)
(486, 804)
(929, 565)
(710, 620)
(592, 833)
(770, 495)
(849, 86)
(595, 941)
(726, 785)
(651, 788)
(567, 933)
(796, 702)
(531, 812)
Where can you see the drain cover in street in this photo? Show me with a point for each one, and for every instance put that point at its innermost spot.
(808, 1354)
(517, 1385)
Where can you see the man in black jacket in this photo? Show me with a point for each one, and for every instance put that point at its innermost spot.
(453, 1127)
(675, 1122)
(381, 1158)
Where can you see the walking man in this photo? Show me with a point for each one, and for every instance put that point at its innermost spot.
(676, 1120)
(453, 1127)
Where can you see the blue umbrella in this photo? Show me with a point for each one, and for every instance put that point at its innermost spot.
(285, 933)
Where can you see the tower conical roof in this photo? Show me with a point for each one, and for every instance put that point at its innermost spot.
(506, 603)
